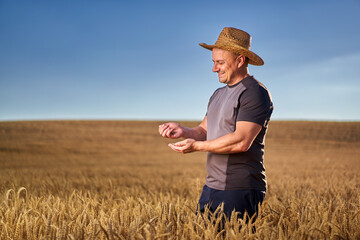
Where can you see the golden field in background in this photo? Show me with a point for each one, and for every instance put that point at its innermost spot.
(119, 180)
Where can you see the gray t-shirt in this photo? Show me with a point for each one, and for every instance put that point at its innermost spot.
(250, 101)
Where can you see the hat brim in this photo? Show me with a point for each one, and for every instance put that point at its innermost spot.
(254, 59)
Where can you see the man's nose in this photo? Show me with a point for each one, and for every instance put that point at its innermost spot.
(215, 68)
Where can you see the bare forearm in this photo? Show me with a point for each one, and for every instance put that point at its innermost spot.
(226, 144)
(197, 133)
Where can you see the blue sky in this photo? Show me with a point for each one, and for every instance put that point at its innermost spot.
(141, 59)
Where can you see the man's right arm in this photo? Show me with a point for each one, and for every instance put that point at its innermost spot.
(175, 130)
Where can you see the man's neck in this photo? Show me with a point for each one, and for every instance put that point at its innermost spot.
(239, 78)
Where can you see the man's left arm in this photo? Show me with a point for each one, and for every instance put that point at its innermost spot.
(238, 141)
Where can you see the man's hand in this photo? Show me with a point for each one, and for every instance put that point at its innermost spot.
(171, 130)
(186, 146)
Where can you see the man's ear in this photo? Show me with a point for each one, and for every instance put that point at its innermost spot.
(240, 60)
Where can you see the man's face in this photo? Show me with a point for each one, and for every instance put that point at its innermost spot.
(225, 65)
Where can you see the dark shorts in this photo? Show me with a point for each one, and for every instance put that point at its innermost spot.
(240, 200)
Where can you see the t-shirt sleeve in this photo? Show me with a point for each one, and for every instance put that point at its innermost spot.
(255, 106)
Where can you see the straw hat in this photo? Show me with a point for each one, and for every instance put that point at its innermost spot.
(237, 41)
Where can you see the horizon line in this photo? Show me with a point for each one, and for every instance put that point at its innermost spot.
(167, 119)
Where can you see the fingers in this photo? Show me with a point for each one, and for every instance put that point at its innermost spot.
(177, 147)
(173, 147)
(165, 130)
(168, 130)
(185, 146)
(162, 129)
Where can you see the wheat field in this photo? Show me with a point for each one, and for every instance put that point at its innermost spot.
(119, 180)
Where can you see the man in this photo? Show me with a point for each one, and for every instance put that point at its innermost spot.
(233, 130)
